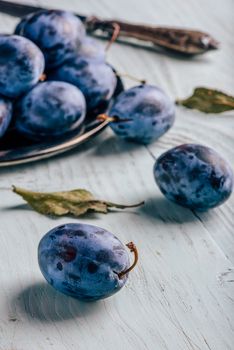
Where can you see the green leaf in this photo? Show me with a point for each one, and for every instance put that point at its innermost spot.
(76, 202)
(208, 101)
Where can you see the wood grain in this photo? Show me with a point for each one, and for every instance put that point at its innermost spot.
(181, 295)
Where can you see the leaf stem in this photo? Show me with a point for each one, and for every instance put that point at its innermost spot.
(131, 77)
(133, 249)
(122, 206)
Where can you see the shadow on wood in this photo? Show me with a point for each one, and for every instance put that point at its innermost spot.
(89, 144)
(41, 302)
(113, 145)
(161, 209)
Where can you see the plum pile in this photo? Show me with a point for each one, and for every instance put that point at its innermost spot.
(52, 76)
(52, 45)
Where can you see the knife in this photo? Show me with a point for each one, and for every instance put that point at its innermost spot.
(178, 40)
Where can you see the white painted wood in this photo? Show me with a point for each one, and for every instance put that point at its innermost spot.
(180, 297)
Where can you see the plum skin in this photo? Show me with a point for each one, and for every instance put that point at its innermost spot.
(92, 49)
(58, 34)
(6, 109)
(194, 176)
(21, 65)
(50, 109)
(95, 79)
(83, 261)
(144, 113)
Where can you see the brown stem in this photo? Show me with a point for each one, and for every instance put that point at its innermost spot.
(129, 76)
(115, 34)
(133, 249)
(114, 119)
(103, 117)
(123, 206)
(43, 77)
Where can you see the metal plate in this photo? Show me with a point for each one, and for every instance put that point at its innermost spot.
(16, 150)
(37, 151)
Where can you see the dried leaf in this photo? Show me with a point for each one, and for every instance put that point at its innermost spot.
(208, 101)
(76, 202)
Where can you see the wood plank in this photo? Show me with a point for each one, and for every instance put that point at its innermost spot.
(180, 296)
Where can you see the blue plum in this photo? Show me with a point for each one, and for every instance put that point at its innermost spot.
(83, 261)
(92, 49)
(95, 79)
(50, 109)
(20, 26)
(21, 65)
(144, 113)
(57, 33)
(194, 176)
(5, 114)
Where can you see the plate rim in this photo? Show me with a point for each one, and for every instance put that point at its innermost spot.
(58, 149)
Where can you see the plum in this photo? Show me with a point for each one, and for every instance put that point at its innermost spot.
(143, 114)
(92, 49)
(58, 34)
(50, 109)
(194, 176)
(21, 65)
(84, 261)
(5, 114)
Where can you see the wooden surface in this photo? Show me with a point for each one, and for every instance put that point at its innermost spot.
(182, 292)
